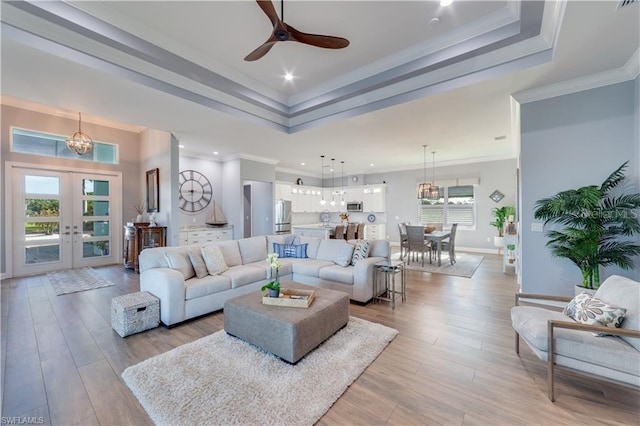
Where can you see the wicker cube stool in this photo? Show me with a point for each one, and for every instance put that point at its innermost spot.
(135, 312)
(289, 333)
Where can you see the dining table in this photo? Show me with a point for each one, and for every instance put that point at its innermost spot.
(437, 237)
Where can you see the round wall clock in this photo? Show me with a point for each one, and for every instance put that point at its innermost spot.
(195, 191)
(354, 179)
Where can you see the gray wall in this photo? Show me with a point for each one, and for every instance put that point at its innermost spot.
(402, 205)
(567, 142)
(128, 149)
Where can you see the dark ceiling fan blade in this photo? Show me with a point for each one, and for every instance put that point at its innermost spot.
(328, 42)
(269, 10)
(262, 50)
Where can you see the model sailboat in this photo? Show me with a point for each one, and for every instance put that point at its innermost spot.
(216, 218)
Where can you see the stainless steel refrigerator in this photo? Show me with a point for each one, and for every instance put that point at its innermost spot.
(282, 220)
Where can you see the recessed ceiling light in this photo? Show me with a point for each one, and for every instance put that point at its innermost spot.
(434, 21)
(288, 76)
(371, 164)
(303, 164)
(445, 3)
(180, 146)
(215, 152)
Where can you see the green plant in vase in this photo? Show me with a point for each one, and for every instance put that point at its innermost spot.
(274, 285)
(593, 219)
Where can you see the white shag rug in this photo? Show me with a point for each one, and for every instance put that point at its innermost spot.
(79, 279)
(220, 379)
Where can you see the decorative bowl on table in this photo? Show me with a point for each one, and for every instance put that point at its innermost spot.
(429, 229)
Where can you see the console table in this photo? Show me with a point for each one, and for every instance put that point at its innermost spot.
(139, 236)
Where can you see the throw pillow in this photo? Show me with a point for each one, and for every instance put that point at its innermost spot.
(344, 255)
(298, 251)
(214, 259)
(195, 255)
(360, 251)
(180, 262)
(593, 311)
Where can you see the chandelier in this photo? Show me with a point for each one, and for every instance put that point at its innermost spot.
(424, 188)
(333, 184)
(322, 200)
(79, 142)
(434, 191)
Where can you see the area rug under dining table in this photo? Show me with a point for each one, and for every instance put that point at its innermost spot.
(465, 266)
(220, 379)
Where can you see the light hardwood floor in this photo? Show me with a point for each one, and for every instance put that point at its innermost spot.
(453, 362)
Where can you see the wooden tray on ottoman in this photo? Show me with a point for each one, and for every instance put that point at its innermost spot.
(291, 297)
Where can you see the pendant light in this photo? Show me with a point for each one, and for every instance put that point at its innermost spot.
(434, 191)
(79, 142)
(322, 201)
(425, 187)
(333, 183)
(342, 184)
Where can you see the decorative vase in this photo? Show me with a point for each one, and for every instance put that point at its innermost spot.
(274, 293)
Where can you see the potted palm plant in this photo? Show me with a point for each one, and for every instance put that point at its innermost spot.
(593, 219)
(500, 214)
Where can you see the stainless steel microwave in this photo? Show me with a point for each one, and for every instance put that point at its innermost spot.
(354, 206)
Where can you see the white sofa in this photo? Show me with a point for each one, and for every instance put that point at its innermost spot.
(185, 298)
(574, 346)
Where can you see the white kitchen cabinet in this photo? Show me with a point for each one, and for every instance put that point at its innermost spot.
(283, 192)
(373, 199)
(375, 232)
(353, 194)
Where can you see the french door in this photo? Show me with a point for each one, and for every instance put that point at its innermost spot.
(62, 219)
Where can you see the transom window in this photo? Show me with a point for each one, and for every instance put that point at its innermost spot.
(455, 205)
(48, 145)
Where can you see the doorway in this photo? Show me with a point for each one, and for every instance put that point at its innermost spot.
(62, 219)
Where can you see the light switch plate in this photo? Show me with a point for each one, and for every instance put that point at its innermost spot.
(536, 227)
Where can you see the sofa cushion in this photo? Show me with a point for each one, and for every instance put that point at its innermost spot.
(328, 249)
(310, 267)
(195, 256)
(242, 275)
(230, 251)
(286, 268)
(179, 260)
(611, 352)
(337, 273)
(312, 245)
(360, 251)
(210, 284)
(625, 293)
(344, 255)
(379, 248)
(214, 259)
(279, 239)
(297, 251)
(253, 249)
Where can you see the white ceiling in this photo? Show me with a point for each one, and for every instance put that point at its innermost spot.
(401, 83)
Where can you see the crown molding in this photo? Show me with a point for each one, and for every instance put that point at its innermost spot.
(627, 72)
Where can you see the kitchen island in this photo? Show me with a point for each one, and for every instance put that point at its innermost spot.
(314, 230)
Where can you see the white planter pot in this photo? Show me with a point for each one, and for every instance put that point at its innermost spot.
(498, 242)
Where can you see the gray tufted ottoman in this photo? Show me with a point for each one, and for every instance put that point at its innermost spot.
(289, 333)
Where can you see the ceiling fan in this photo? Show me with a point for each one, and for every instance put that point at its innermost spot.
(284, 32)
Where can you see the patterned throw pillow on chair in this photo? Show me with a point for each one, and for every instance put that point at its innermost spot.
(587, 309)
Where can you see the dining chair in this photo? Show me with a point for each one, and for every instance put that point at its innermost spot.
(404, 243)
(450, 244)
(351, 231)
(339, 232)
(417, 243)
(360, 231)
